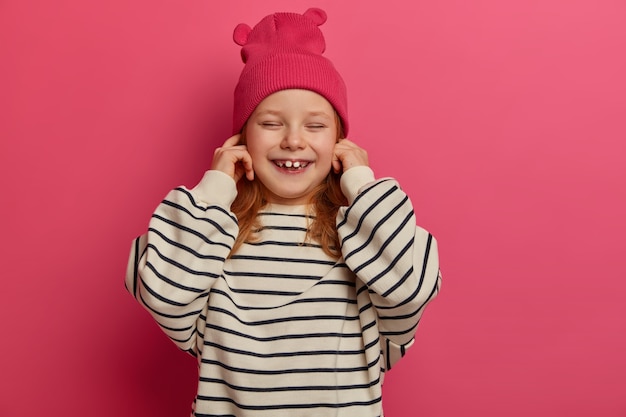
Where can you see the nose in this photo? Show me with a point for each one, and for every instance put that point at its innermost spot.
(293, 140)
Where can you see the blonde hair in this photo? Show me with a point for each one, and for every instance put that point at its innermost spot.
(325, 202)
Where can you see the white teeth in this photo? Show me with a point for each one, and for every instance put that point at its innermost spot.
(292, 164)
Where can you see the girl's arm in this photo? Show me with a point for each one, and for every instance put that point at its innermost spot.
(397, 260)
(172, 267)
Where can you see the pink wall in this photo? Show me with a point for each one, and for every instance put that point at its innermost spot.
(504, 121)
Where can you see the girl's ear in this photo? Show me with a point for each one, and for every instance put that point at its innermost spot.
(340, 134)
(242, 135)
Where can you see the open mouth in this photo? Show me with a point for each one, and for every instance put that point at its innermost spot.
(291, 165)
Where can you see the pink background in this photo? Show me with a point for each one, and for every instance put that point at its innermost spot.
(505, 121)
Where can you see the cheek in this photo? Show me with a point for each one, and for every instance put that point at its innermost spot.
(256, 147)
(325, 153)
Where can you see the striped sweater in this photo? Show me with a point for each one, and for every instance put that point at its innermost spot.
(280, 328)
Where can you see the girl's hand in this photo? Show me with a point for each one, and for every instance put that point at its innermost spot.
(233, 159)
(348, 155)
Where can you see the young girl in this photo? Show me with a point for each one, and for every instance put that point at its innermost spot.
(294, 276)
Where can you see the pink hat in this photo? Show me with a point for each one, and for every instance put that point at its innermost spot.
(284, 50)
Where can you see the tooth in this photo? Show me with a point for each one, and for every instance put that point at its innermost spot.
(288, 164)
(296, 164)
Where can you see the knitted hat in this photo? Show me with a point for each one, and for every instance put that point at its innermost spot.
(283, 51)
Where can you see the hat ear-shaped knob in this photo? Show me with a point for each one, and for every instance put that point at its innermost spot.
(240, 35)
(318, 16)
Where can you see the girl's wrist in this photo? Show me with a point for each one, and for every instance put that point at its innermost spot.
(354, 179)
(215, 188)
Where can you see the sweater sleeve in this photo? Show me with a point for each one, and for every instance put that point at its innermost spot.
(172, 267)
(396, 259)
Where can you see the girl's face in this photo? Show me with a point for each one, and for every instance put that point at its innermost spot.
(291, 138)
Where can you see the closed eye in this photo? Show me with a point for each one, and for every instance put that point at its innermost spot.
(270, 124)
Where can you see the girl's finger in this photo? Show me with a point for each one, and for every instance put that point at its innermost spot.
(246, 161)
(232, 141)
(336, 164)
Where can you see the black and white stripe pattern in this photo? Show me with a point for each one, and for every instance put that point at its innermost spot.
(281, 329)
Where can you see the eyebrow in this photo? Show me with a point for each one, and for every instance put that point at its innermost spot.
(311, 113)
